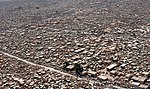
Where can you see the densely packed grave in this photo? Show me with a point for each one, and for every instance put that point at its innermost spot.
(102, 45)
(19, 75)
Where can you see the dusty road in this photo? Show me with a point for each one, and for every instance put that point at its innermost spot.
(74, 44)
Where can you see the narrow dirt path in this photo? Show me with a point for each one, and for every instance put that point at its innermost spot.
(34, 64)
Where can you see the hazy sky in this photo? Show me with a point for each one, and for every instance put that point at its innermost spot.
(5, 0)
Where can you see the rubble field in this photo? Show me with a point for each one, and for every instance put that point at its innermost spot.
(88, 44)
